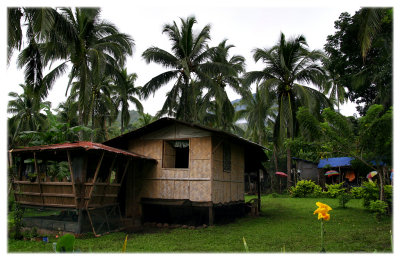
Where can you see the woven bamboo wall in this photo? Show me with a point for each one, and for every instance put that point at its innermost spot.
(193, 183)
(45, 194)
(227, 186)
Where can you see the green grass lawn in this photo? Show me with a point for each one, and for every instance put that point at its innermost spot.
(284, 223)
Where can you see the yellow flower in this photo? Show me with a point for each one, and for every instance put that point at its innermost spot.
(322, 211)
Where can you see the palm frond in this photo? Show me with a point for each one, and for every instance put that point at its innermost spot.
(158, 81)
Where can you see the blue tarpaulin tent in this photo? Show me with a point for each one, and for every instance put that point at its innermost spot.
(335, 162)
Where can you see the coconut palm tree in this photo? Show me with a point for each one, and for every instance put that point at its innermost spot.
(37, 26)
(259, 110)
(143, 120)
(102, 108)
(332, 85)
(126, 91)
(26, 110)
(188, 67)
(289, 64)
(97, 49)
(36, 23)
(67, 111)
(219, 111)
(370, 26)
(92, 46)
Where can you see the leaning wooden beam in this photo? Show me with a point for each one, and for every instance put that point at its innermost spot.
(108, 179)
(94, 180)
(125, 170)
(91, 223)
(38, 176)
(72, 179)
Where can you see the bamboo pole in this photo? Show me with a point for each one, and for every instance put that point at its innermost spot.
(91, 223)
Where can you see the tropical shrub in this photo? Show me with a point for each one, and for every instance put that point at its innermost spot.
(318, 193)
(378, 207)
(370, 193)
(66, 243)
(388, 190)
(305, 188)
(334, 190)
(357, 192)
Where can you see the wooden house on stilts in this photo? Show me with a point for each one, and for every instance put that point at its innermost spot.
(169, 171)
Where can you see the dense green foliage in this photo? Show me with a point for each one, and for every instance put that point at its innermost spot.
(368, 77)
(357, 192)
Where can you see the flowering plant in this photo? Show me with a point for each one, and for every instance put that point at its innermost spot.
(323, 215)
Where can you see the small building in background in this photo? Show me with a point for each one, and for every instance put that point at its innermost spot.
(341, 165)
(306, 170)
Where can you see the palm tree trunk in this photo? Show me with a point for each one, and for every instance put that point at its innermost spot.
(289, 167)
(80, 121)
(260, 173)
(275, 158)
(122, 124)
(381, 189)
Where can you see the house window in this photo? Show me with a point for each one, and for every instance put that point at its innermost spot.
(226, 157)
(176, 154)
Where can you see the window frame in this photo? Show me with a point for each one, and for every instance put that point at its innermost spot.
(163, 153)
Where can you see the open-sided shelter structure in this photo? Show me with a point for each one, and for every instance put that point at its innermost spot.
(87, 192)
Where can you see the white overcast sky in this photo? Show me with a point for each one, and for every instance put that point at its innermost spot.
(247, 26)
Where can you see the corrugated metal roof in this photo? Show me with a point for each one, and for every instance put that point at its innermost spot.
(335, 162)
(79, 145)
